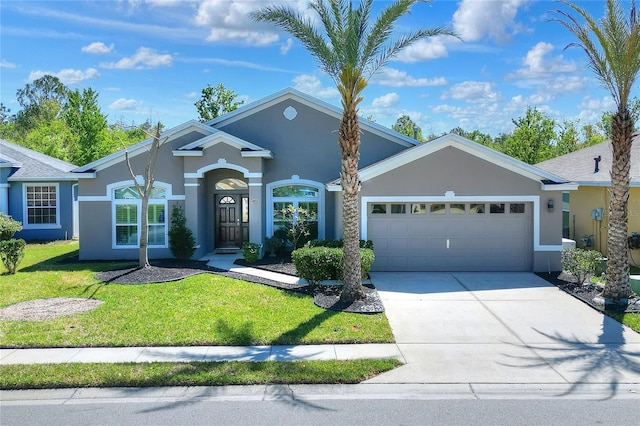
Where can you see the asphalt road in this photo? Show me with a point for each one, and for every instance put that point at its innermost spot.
(321, 406)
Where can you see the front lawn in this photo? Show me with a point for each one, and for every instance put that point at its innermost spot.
(205, 309)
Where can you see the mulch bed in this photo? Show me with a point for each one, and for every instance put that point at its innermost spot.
(588, 292)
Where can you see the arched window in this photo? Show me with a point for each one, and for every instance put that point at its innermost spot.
(298, 193)
(127, 217)
(231, 184)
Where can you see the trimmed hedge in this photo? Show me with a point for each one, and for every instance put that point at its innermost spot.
(317, 264)
(368, 244)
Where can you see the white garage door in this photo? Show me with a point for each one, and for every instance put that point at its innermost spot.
(451, 236)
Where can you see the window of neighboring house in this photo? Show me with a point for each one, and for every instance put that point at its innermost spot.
(41, 205)
(566, 216)
(300, 195)
(127, 207)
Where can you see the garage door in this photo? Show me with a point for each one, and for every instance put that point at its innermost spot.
(451, 236)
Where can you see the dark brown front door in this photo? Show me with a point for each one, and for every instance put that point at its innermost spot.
(231, 219)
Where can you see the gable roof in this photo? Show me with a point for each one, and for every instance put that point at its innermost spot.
(31, 165)
(548, 180)
(579, 166)
(140, 147)
(324, 107)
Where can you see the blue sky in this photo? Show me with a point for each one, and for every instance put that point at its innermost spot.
(151, 59)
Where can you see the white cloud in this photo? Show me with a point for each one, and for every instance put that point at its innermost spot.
(123, 104)
(423, 50)
(68, 75)
(143, 58)
(539, 63)
(286, 46)
(472, 92)
(98, 48)
(230, 20)
(475, 20)
(6, 64)
(397, 78)
(390, 100)
(313, 86)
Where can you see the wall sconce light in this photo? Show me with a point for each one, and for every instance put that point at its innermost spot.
(550, 205)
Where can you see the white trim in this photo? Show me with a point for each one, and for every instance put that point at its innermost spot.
(110, 187)
(221, 164)
(191, 184)
(570, 186)
(138, 202)
(187, 153)
(25, 208)
(254, 184)
(263, 153)
(295, 180)
(535, 200)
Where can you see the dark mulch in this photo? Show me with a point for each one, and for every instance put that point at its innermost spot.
(588, 292)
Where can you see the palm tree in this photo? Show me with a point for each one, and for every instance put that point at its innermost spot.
(350, 50)
(612, 46)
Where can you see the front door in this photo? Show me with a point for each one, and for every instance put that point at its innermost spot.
(232, 220)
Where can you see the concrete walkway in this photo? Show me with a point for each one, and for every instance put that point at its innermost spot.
(450, 328)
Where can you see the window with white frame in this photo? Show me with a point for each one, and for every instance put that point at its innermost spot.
(127, 207)
(299, 194)
(41, 205)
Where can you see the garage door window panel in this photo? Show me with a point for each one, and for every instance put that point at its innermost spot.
(455, 208)
(398, 208)
(496, 208)
(475, 208)
(516, 208)
(438, 209)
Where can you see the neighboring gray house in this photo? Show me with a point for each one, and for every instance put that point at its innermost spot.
(38, 191)
(449, 204)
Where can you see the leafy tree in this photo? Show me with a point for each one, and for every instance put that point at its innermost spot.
(41, 101)
(592, 135)
(405, 125)
(216, 101)
(88, 124)
(53, 138)
(612, 47)
(350, 49)
(531, 141)
(567, 138)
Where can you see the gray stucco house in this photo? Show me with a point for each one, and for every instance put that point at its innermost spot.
(38, 191)
(449, 204)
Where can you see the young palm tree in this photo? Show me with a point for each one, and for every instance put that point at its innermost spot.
(350, 49)
(612, 46)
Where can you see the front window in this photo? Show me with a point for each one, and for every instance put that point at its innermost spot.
(41, 205)
(127, 217)
(297, 196)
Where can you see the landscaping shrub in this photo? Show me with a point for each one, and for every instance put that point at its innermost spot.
(8, 227)
(317, 264)
(251, 252)
(580, 263)
(181, 240)
(11, 253)
(368, 244)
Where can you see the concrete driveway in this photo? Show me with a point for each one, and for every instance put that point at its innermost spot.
(508, 328)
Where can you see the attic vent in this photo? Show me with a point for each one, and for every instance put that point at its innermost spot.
(597, 160)
(290, 113)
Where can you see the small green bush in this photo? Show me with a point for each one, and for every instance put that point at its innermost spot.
(8, 227)
(181, 240)
(317, 264)
(368, 244)
(11, 253)
(251, 252)
(581, 263)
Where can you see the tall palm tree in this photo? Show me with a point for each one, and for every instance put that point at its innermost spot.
(350, 49)
(612, 46)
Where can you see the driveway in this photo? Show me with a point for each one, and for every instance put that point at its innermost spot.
(507, 328)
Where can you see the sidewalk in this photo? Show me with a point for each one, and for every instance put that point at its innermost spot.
(200, 353)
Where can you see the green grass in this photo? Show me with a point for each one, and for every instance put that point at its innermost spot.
(204, 309)
(47, 376)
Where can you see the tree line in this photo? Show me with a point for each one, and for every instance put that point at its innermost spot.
(536, 136)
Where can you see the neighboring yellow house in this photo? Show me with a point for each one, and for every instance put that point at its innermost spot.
(586, 220)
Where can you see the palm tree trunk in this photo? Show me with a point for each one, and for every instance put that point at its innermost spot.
(617, 283)
(350, 148)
